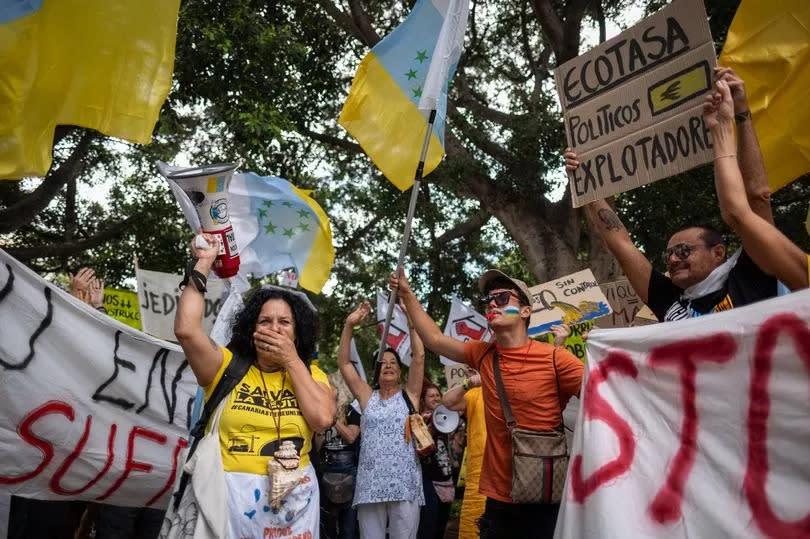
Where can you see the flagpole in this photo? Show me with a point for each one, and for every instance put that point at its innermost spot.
(406, 234)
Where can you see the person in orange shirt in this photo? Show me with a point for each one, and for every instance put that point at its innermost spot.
(531, 389)
(467, 398)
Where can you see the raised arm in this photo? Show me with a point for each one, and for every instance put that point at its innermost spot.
(633, 262)
(771, 250)
(432, 336)
(749, 154)
(454, 399)
(359, 388)
(203, 354)
(416, 372)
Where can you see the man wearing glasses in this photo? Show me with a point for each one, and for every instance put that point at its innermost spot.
(701, 280)
(534, 393)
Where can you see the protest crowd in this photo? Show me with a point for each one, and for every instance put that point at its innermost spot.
(274, 446)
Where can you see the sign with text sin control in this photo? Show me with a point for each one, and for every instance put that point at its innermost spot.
(633, 106)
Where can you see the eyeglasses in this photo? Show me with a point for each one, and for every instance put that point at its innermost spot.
(501, 298)
(680, 250)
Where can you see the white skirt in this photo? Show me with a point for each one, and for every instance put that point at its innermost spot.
(250, 514)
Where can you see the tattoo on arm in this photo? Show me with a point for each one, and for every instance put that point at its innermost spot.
(213, 343)
(609, 219)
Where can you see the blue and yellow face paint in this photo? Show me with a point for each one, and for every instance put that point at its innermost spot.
(511, 311)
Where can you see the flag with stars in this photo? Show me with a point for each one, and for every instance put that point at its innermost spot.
(403, 78)
(279, 226)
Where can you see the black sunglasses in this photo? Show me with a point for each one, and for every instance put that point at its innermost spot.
(680, 250)
(501, 298)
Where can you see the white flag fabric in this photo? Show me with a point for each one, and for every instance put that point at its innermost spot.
(92, 409)
(354, 357)
(696, 428)
(446, 53)
(399, 338)
(158, 296)
(465, 323)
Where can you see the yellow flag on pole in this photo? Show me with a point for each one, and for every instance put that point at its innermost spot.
(768, 45)
(101, 64)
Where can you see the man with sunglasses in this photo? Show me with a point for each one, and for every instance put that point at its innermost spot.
(538, 380)
(701, 280)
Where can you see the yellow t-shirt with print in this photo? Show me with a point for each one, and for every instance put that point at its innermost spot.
(254, 421)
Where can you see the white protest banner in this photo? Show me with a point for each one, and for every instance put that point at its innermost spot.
(465, 323)
(625, 303)
(399, 338)
(354, 357)
(158, 294)
(571, 299)
(696, 428)
(633, 104)
(92, 409)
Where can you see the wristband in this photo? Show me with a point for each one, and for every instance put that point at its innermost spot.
(466, 384)
(101, 308)
(200, 281)
(743, 116)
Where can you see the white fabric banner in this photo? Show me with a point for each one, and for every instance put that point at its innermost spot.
(398, 336)
(92, 409)
(354, 357)
(465, 323)
(158, 294)
(696, 428)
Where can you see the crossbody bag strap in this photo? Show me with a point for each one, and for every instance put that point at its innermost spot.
(408, 403)
(557, 382)
(507, 409)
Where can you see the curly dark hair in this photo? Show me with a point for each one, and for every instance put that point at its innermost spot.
(306, 322)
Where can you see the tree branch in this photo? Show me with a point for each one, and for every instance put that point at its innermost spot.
(24, 211)
(551, 24)
(481, 142)
(465, 228)
(331, 140)
(467, 98)
(342, 19)
(352, 242)
(65, 249)
(360, 18)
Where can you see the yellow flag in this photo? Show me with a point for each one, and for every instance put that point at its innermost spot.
(768, 45)
(101, 64)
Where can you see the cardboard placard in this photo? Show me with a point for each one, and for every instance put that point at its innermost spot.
(123, 306)
(625, 303)
(455, 374)
(633, 105)
(571, 299)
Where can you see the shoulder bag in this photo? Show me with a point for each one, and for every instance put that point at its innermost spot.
(539, 458)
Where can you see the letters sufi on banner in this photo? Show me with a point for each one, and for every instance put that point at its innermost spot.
(93, 409)
(695, 428)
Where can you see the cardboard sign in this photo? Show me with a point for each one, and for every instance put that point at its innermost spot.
(159, 294)
(399, 338)
(465, 323)
(568, 300)
(123, 306)
(625, 303)
(575, 343)
(455, 374)
(92, 409)
(695, 428)
(633, 106)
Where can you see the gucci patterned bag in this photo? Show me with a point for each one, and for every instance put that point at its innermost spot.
(539, 458)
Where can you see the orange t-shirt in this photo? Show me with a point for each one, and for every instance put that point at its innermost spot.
(528, 378)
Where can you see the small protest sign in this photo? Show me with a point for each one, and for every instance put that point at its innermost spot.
(625, 303)
(575, 342)
(123, 306)
(159, 294)
(455, 374)
(568, 300)
(633, 104)
(464, 323)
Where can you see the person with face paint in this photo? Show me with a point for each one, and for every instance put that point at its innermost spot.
(535, 394)
(388, 492)
(702, 280)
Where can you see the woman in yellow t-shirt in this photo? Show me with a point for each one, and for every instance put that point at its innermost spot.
(268, 420)
(765, 244)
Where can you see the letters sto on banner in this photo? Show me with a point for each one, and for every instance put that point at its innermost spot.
(92, 409)
(696, 428)
(633, 105)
